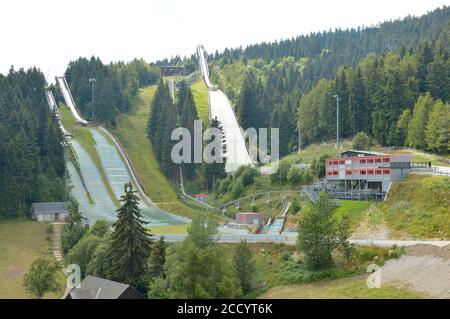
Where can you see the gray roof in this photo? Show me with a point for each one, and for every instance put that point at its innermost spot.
(99, 288)
(54, 207)
(364, 152)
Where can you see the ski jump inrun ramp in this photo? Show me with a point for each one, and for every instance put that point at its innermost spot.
(220, 108)
(117, 171)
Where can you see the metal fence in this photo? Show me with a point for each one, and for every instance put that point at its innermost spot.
(234, 238)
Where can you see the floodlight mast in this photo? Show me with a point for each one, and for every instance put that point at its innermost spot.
(337, 119)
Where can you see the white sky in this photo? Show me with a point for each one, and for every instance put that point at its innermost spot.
(50, 33)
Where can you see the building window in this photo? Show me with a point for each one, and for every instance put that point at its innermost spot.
(386, 160)
(335, 162)
(370, 172)
(378, 172)
(387, 171)
(363, 172)
(378, 160)
(363, 161)
(348, 172)
(341, 162)
(370, 161)
(335, 173)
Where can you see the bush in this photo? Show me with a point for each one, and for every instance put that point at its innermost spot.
(247, 175)
(237, 189)
(50, 229)
(224, 185)
(306, 176)
(282, 173)
(295, 206)
(100, 228)
(361, 141)
(294, 176)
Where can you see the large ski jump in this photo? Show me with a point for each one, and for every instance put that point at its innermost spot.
(220, 108)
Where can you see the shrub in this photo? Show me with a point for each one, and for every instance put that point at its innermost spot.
(295, 206)
(237, 189)
(281, 174)
(294, 175)
(361, 141)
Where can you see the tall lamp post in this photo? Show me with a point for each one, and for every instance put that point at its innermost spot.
(337, 119)
(92, 81)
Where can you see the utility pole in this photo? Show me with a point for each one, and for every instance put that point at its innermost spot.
(92, 81)
(337, 119)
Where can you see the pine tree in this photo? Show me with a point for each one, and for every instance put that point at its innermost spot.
(158, 259)
(214, 171)
(53, 151)
(188, 115)
(244, 266)
(438, 78)
(438, 128)
(419, 120)
(130, 241)
(425, 57)
(106, 104)
(248, 101)
(356, 104)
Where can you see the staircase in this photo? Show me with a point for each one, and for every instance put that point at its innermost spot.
(57, 241)
(309, 191)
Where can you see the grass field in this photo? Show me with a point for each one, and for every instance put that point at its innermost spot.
(21, 242)
(314, 151)
(345, 288)
(131, 131)
(200, 93)
(169, 229)
(351, 209)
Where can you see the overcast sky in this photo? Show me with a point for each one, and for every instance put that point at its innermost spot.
(50, 33)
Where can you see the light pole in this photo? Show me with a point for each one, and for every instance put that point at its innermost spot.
(92, 81)
(337, 119)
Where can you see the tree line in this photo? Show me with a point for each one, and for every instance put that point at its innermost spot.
(32, 165)
(296, 91)
(115, 85)
(167, 114)
(328, 50)
(380, 96)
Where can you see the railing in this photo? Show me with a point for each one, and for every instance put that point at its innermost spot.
(234, 238)
(237, 201)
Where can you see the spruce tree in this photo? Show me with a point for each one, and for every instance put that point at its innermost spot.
(130, 241)
(419, 120)
(158, 259)
(244, 266)
(438, 128)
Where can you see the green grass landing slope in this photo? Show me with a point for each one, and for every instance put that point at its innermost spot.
(200, 94)
(131, 131)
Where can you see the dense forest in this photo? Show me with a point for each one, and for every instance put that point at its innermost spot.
(32, 166)
(167, 114)
(379, 74)
(115, 85)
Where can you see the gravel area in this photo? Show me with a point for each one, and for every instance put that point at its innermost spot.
(424, 268)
